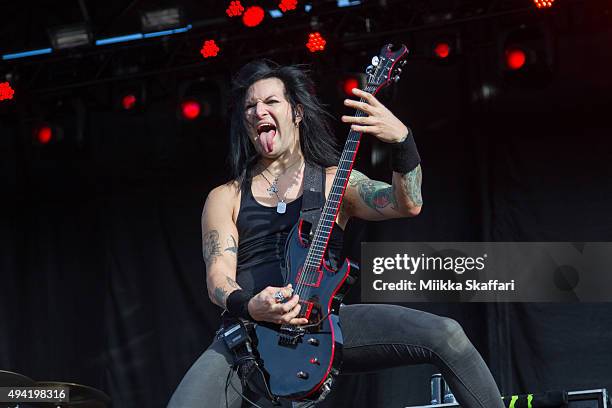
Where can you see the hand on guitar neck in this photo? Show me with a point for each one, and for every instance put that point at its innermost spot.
(267, 307)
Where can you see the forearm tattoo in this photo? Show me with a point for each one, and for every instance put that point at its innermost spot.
(231, 245)
(220, 295)
(376, 194)
(210, 246)
(412, 185)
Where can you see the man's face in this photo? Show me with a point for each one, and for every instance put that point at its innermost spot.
(269, 120)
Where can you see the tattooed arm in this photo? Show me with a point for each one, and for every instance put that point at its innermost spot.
(376, 200)
(219, 244)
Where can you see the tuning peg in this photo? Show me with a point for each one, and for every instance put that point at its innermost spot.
(398, 71)
(396, 78)
(403, 63)
(369, 69)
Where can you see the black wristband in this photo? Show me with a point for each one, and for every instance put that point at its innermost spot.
(237, 304)
(404, 155)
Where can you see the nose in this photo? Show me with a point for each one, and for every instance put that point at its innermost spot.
(260, 109)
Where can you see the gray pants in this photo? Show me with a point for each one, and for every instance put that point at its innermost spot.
(375, 337)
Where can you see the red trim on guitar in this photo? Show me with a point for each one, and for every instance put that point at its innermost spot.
(309, 307)
(331, 325)
(314, 285)
(300, 240)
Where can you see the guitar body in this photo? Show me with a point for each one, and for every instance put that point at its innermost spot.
(299, 362)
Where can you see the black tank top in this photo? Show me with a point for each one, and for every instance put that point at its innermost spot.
(262, 235)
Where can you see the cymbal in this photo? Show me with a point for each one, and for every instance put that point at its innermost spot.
(81, 395)
(10, 379)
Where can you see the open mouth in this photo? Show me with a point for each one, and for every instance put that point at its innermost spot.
(266, 132)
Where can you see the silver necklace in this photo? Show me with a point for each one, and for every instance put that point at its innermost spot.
(281, 205)
(273, 189)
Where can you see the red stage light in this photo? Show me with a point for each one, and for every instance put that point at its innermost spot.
(515, 58)
(349, 84)
(44, 134)
(128, 101)
(190, 109)
(235, 9)
(253, 16)
(286, 5)
(209, 49)
(543, 3)
(6, 92)
(315, 42)
(442, 50)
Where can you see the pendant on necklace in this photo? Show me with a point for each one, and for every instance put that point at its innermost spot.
(281, 207)
(273, 189)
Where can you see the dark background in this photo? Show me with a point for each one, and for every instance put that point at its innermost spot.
(102, 281)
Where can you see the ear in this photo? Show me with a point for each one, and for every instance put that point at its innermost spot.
(298, 114)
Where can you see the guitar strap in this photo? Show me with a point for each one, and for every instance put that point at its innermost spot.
(313, 197)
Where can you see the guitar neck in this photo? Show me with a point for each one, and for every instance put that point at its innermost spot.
(382, 71)
(332, 205)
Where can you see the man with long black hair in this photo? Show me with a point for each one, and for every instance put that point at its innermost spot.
(277, 128)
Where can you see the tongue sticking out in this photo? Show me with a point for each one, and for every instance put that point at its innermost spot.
(266, 139)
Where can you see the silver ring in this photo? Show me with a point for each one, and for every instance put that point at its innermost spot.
(279, 296)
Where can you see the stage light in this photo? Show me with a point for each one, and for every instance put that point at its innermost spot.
(190, 109)
(253, 16)
(43, 134)
(25, 54)
(315, 42)
(350, 81)
(71, 36)
(527, 55)
(286, 5)
(348, 85)
(129, 96)
(234, 9)
(442, 49)
(443, 46)
(163, 19)
(209, 49)
(199, 98)
(6, 92)
(543, 3)
(515, 58)
(348, 3)
(128, 101)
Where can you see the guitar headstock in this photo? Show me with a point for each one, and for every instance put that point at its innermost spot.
(386, 67)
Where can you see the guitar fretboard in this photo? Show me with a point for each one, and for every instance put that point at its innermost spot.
(332, 205)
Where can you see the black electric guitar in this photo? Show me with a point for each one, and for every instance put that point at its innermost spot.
(299, 362)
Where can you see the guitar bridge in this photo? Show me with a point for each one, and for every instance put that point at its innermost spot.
(290, 335)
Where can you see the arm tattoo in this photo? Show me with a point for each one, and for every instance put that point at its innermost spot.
(376, 194)
(210, 246)
(231, 245)
(220, 295)
(412, 185)
(232, 283)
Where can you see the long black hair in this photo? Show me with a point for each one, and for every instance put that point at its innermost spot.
(317, 141)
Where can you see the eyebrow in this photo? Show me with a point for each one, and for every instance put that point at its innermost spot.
(251, 101)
